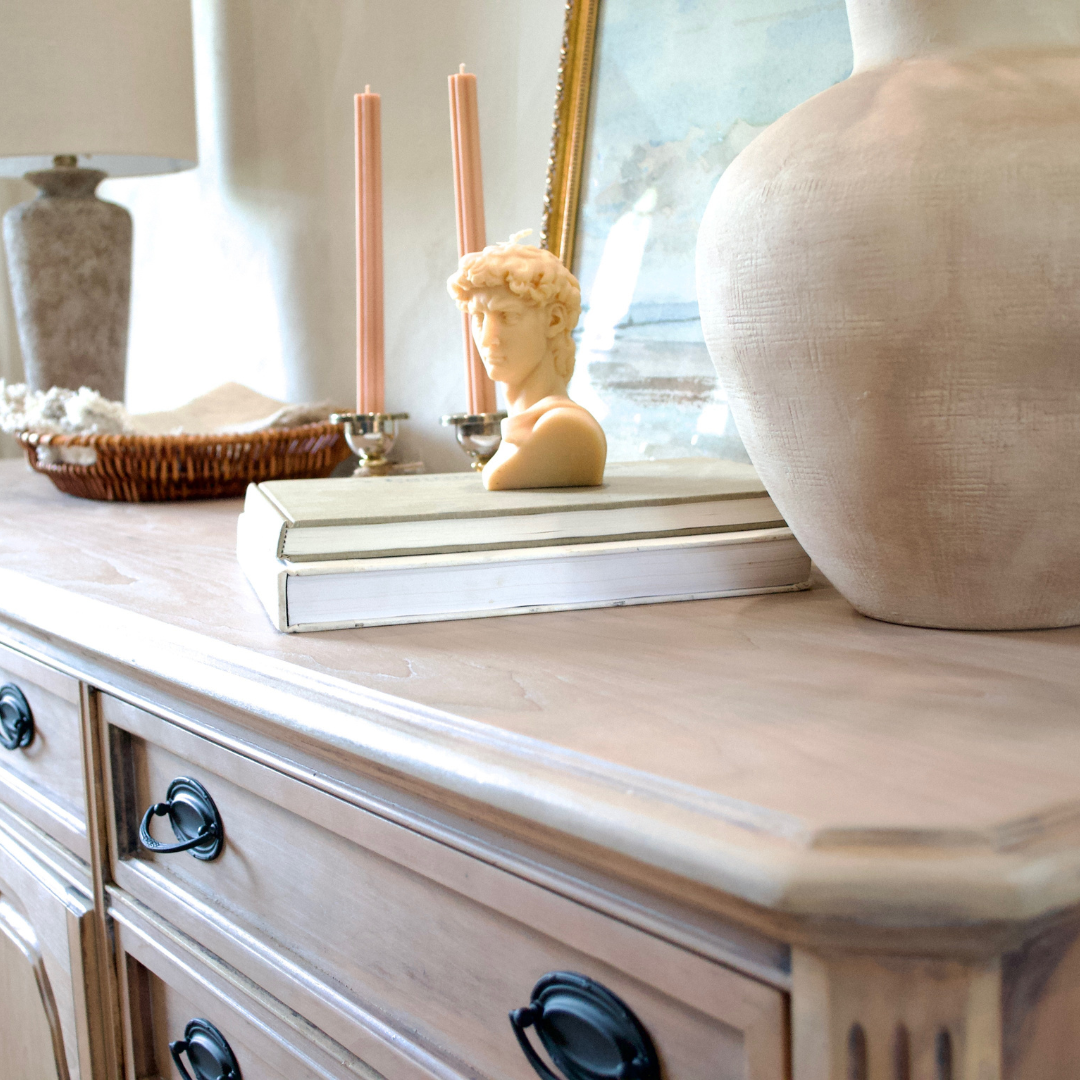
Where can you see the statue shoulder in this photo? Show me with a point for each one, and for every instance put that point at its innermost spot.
(562, 407)
(554, 443)
(564, 419)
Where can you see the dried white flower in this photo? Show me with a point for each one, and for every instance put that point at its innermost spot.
(60, 412)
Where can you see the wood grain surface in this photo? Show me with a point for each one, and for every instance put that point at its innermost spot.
(782, 749)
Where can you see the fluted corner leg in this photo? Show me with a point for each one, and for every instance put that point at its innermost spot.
(867, 1017)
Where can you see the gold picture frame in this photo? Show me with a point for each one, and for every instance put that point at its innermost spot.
(566, 160)
(655, 99)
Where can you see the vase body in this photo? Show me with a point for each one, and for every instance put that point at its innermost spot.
(889, 279)
(69, 261)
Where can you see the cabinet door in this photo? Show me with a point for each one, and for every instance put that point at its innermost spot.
(47, 963)
(31, 1041)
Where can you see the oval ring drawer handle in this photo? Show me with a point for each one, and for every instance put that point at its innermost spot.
(208, 1052)
(588, 1032)
(16, 719)
(195, 821)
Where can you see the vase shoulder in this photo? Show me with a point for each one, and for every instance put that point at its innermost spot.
(883, 31)
(915, 106)
(889, 280)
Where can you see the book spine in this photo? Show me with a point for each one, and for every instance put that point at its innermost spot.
(264, 521)
(267, 575)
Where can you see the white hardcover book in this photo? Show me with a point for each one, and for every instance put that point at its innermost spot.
(370, 517)
(347, 593)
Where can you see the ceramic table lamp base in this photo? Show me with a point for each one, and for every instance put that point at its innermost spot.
(69, 260)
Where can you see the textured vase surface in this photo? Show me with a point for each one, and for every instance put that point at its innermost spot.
(69, 260)
(889, 280)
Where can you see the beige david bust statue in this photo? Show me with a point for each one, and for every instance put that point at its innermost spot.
(523, 305)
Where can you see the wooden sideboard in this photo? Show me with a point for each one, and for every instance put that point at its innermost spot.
(792, 841)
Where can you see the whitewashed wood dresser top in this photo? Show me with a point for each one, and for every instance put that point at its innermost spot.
(793, 841)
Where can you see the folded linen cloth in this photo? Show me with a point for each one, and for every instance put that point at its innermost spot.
(230, 409)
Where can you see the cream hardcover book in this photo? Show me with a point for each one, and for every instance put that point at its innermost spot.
(373, 517)
(681, 534)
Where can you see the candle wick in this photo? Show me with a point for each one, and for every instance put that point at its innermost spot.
(461, 69)
(367, 89)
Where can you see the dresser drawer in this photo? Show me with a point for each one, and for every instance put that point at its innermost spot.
(407, 951)
(167, 981)
(43, 779)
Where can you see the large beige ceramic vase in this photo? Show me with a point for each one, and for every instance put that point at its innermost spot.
(889, 279)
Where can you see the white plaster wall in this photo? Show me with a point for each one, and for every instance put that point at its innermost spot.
(245, 267)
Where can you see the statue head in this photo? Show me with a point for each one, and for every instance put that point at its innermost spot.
(523, 304)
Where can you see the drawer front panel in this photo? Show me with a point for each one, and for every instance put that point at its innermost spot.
(44, 780)
(435, 944)
(167, 981)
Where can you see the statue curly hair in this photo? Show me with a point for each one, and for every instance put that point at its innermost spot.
(532, 273)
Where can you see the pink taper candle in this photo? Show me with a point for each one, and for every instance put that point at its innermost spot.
(369, 255)
(469, 197)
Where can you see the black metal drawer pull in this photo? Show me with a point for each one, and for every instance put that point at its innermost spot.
(195, 821)
(16, 719)
(588, 1032)
(208, 1053)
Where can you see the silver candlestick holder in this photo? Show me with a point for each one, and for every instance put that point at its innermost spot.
(371, 438)
(478, 434)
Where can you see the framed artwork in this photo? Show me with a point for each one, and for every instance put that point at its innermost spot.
(655, 99)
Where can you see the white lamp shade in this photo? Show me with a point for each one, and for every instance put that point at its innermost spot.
(110, 81)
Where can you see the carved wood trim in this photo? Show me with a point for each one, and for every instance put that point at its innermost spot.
(866, 1017)
(108, 1044)
(730, 849)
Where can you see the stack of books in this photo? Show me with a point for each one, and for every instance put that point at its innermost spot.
(330, 554)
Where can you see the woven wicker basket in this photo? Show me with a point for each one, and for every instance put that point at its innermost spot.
(160, 468)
